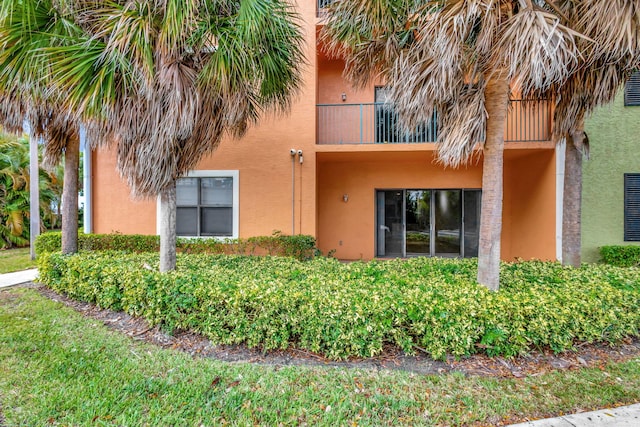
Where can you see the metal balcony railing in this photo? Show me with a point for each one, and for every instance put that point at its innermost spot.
(322, 5)
(366, 124)
(528, 120)
(377, 123)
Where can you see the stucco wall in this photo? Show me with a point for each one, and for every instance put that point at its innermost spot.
(113, 209)
(349, 227)
(614, 137)
(262, 157)
(265, 177)
(529, 210)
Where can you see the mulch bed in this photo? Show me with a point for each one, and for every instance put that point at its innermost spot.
(533, 364)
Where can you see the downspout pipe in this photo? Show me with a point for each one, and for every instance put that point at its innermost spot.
(293, 153)
(34, 194)
(86, 180)
(560, 149)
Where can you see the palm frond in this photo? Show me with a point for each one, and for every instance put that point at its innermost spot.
(12, 111)
(615, 27)
(445, 58)
(461, 126)
(582, 93)
(370, 34)
(536, 50)
(58, 131)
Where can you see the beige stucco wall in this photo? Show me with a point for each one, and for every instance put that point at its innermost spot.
(349, 227)
(329, 172)
(262, 157)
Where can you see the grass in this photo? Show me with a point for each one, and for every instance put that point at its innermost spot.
(59, 368)
(15, 260)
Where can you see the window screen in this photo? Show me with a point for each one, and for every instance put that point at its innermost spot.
(632, 207)
(632, 90)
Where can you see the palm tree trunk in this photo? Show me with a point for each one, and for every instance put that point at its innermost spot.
(168, 229)
(70, 197)
(496, 104)
(572, 198)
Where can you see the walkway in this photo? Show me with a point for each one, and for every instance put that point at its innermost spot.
(617, 417)
(10, 279)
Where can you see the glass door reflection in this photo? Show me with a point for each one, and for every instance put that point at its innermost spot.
(448, 222)
(427, 223)
(418, 223)
(390, 223)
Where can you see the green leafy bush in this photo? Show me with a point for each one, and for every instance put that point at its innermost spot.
(48, 242)
(302, 247)
(343, 310)
(52, 242)
(621, 256)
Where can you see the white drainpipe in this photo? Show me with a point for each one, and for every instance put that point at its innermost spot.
(34, 194)
(560, 149)
(86, 179)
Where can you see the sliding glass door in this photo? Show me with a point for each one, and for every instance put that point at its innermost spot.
(448, 222)
(418, 220)
(427, 223)
(390, 212)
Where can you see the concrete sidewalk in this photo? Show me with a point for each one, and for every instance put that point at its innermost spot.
(10, 279)
(622, 416)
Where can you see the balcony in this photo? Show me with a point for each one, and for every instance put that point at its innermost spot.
(376, 123)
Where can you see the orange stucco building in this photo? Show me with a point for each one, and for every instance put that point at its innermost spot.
(362, 186)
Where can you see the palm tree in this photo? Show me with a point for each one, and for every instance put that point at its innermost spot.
(603, 71)
(14, 191)
(164, 80)
(26, 96)
(463, 58)
(51, 189)
(14, 200)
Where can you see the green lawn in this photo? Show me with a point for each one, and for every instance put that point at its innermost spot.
(59, 368)
(15, 260)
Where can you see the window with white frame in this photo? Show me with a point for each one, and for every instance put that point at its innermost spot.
(207, 204)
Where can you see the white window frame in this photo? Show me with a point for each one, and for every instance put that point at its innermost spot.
(235, 175)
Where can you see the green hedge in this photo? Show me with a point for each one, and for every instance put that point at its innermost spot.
(343, 310)
(621, 256)
(300, 246)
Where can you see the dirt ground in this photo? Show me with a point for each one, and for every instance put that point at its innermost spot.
(535, 363)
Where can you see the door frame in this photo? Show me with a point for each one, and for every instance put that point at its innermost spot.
(432, 219)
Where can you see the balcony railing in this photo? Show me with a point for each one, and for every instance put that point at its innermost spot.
(322, 5)
(376, 123)
(528, 121)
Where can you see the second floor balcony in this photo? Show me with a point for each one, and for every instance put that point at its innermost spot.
(377, 123)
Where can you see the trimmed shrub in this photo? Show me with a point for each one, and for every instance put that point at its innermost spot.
(302, 247)
(52, 242)
(49, 242)
(621, 256)
(354, 310)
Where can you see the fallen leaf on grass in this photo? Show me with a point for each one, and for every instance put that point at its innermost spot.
(232, 385)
